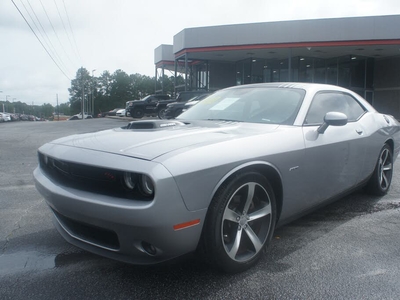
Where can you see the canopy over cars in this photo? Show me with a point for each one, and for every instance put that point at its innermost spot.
(220, 177)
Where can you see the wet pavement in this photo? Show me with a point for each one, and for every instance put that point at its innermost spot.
(347, 250)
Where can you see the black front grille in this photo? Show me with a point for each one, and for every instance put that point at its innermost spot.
(89, 233)
(89, 178)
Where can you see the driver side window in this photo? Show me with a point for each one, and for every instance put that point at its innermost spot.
(331, 101)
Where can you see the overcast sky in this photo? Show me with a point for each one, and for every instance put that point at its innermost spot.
(122, 34)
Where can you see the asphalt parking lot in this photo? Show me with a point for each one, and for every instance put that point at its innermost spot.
(347, 250)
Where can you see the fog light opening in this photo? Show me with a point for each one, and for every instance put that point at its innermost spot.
(149, 248)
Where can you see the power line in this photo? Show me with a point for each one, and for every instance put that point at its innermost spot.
(39, 40)
(49, 44)
(72, 32)
(55, 33)
(59, 14)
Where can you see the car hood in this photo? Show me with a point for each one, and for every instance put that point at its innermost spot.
(151, 139)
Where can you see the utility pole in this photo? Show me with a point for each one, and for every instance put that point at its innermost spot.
(58, 110)
(93, 86)
(83, 95)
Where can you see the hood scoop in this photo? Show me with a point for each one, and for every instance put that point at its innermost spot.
(153, 124)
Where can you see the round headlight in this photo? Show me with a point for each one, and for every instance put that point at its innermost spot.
(129, 180)
(147, 185)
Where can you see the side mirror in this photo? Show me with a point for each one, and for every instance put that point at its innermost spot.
(332, 118)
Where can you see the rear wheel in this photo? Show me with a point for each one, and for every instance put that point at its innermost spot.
(240, 223)
(382, 176)
(137, 113)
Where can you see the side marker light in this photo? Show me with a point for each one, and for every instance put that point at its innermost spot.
(186, 224)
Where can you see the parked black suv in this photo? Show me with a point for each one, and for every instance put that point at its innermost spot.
(174, 109)
(145, 106)
(182, 97)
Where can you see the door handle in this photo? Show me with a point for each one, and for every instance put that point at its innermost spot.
(360, 132)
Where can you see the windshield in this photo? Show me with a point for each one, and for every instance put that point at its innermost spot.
(147, 97)
(250, 104)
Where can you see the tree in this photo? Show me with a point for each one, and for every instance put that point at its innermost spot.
(104, 84)
(80, 88)
(121, 89)
(142, 85)
(111, 91)
(63, 109)
(46, 111)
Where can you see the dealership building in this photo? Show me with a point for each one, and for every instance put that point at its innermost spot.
(359, 53)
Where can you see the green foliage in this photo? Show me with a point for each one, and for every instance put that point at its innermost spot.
(111, 90)
(63, 109)
(106, 92)
(80, 87)
(46, 110)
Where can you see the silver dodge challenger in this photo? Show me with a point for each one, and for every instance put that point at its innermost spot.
(218, 179)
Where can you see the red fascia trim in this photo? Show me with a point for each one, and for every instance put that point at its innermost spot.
(170, 63)
(165, 62)
(290, 45)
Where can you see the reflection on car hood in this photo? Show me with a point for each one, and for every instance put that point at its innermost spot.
(164, 137)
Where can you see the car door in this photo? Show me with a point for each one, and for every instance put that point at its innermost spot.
(150, 105)
(335, 158)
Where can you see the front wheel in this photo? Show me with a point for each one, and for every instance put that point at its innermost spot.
(240, 223)
(161, 113)
(382, 176)
(137, 113)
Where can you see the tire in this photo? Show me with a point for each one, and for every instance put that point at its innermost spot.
(381, 179)
(239, 227)
(161, 113)
(137, 113)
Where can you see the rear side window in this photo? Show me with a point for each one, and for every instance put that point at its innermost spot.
(333, 102)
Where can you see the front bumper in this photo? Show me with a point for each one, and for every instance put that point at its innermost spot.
(124, 229)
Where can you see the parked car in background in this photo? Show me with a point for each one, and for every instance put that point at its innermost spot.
(190, 104)
(220, 177)
(146, 106)
(174, 109)
(5, 117)
(112, 112)
(181, 97)
(121, 112)
(79, 117)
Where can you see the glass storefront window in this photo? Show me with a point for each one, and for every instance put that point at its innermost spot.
(347, 71)
(319, 70)
(344, 71)
(257, 70)
(243, 72)
(331, 71)
(305, 69)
